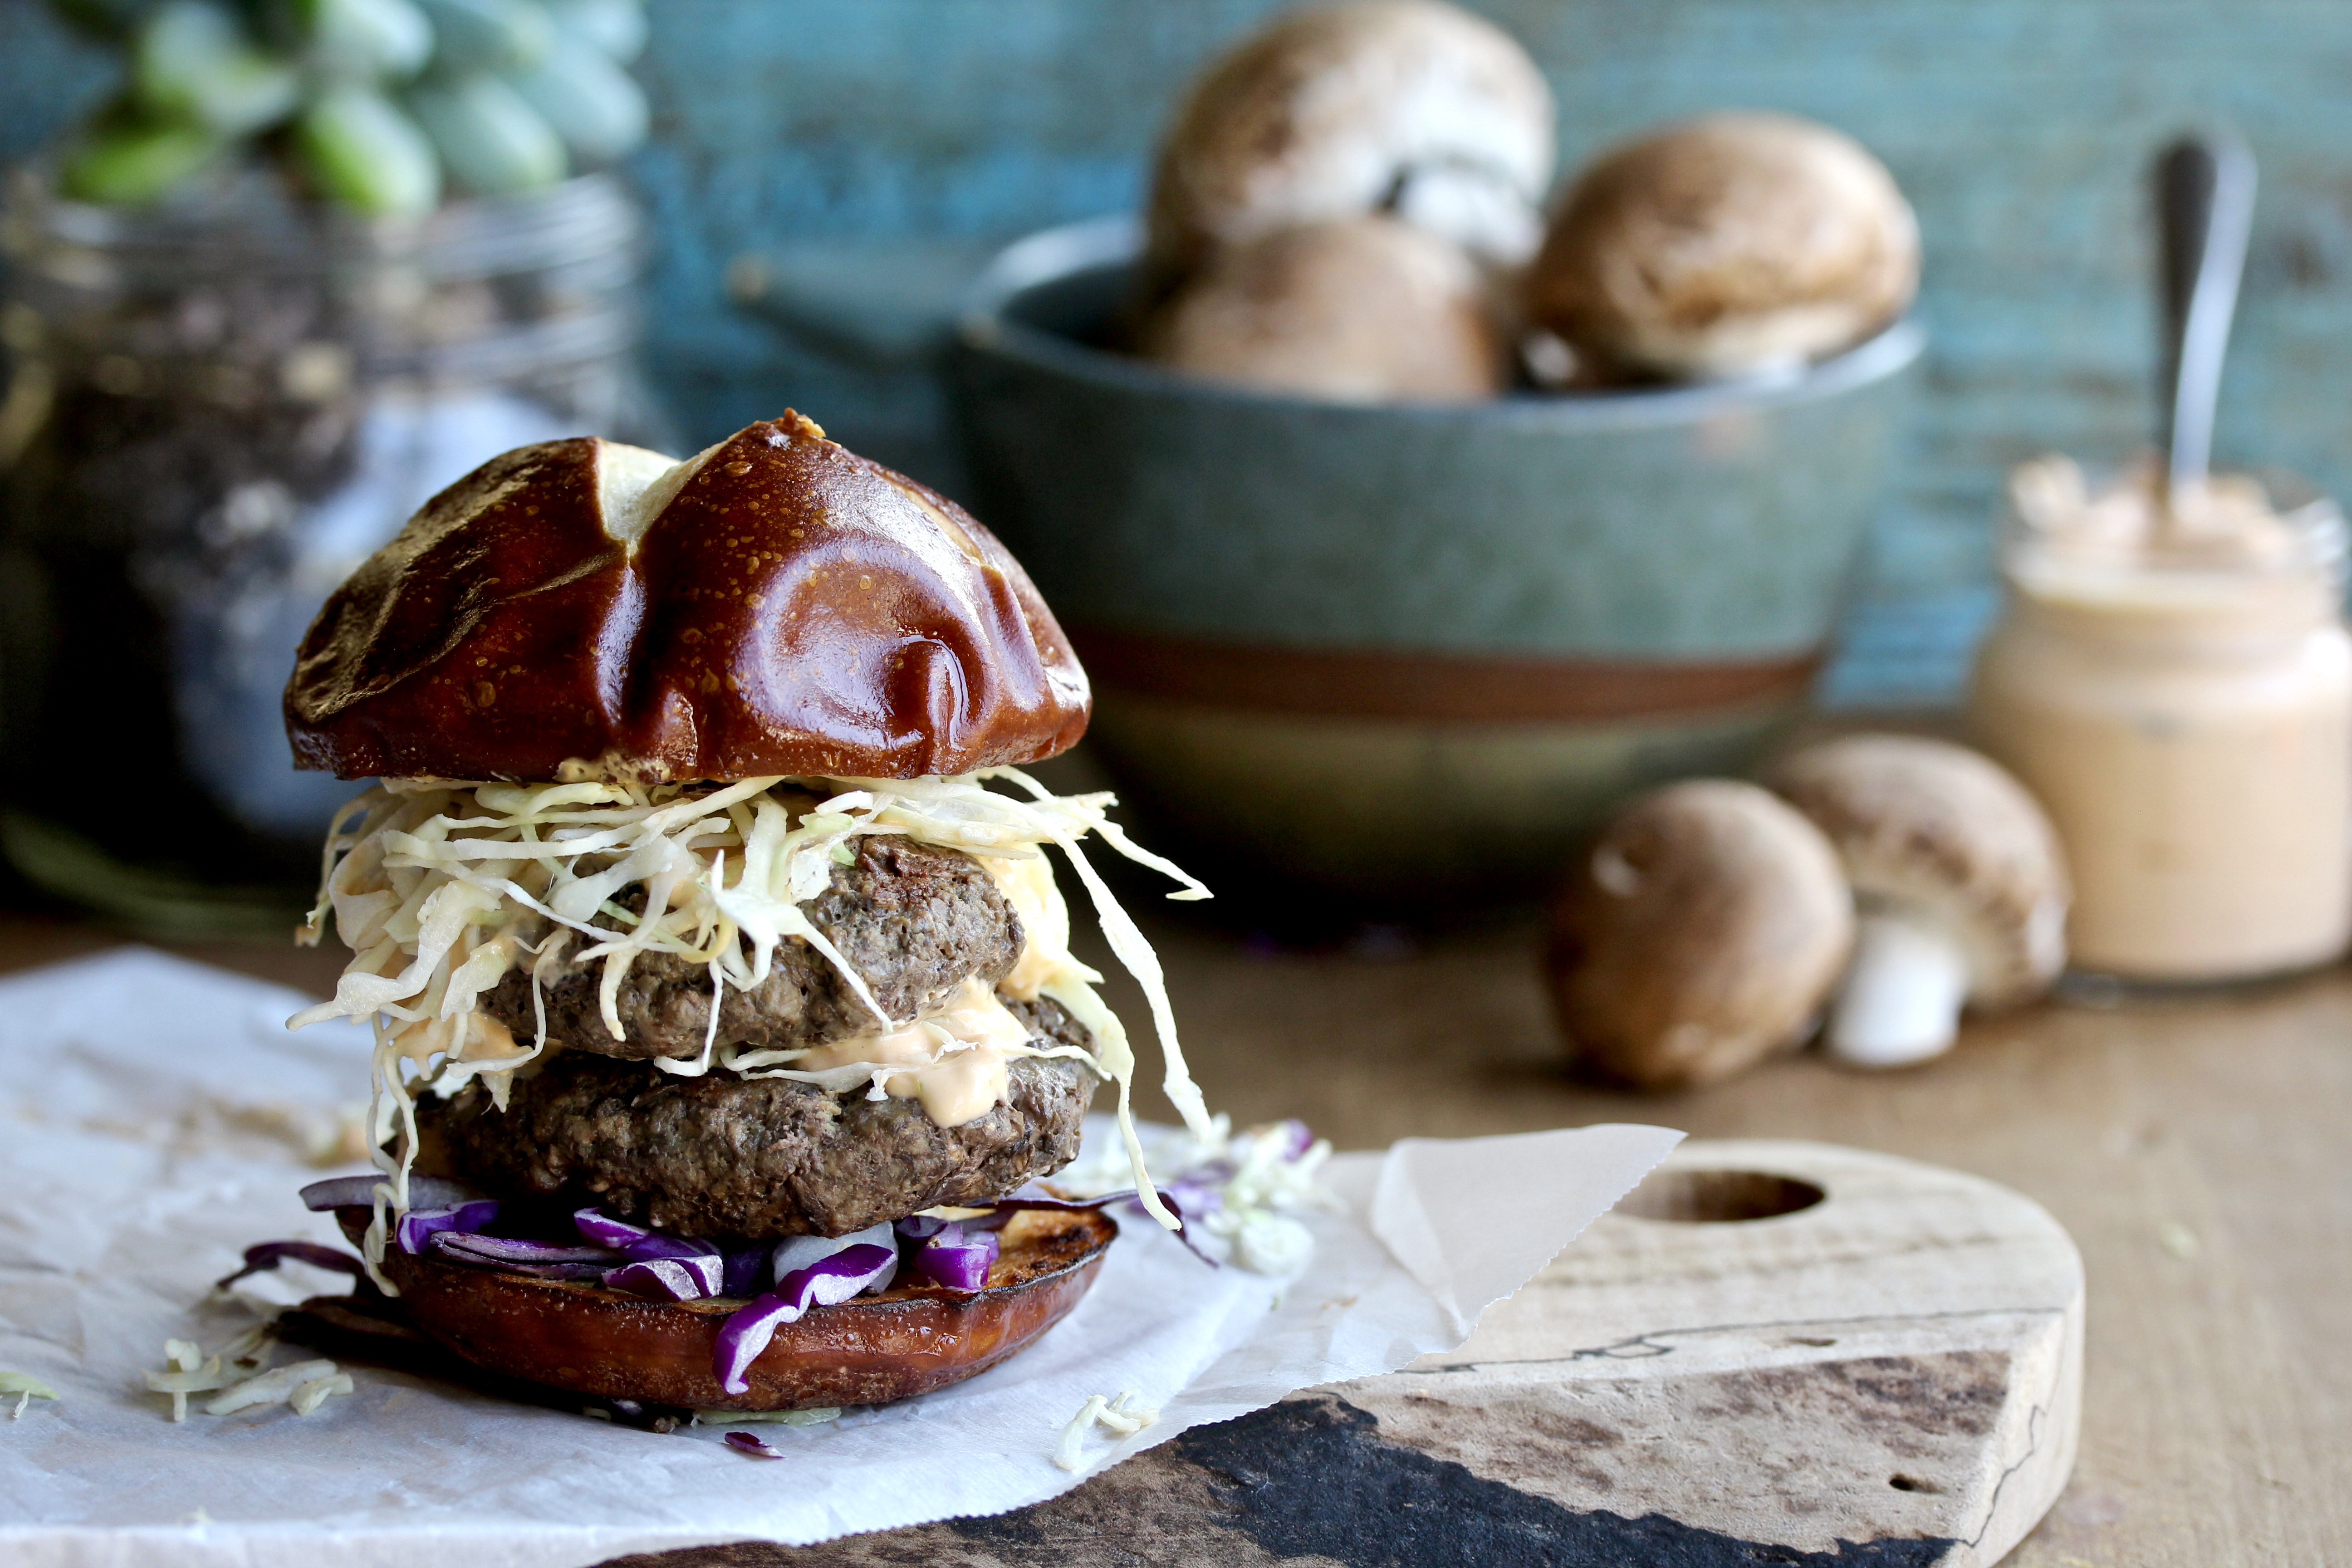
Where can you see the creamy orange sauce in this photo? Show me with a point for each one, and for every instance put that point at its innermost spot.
(2177, 691)
(1028, 886)
(958, 1058)
(486, 1040)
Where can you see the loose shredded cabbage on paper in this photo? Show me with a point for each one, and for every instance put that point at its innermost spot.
(440, 887)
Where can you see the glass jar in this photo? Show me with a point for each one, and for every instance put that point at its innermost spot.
(2179, 695)
(213, 413)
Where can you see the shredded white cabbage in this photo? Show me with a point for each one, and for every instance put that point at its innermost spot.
(276, 1386)
(809, 1417)
(1240, 1188)
(235, 1372)
(26, 1388)
(1121, 1414)
(440, 887)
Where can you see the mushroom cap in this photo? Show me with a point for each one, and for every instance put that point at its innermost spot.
(1726, 245)
(1363, 310)
(1701, 933)
(1403, 104)
(1943, 835)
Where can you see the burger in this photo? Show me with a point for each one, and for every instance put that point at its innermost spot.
(724, 1009)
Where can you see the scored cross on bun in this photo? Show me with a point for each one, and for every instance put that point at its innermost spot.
(581, 609)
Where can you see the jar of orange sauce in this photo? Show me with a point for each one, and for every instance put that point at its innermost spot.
(2172, 678)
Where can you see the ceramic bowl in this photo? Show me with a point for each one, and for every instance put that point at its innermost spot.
(1406, 652)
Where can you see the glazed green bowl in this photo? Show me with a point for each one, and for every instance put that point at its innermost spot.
(1409, 653)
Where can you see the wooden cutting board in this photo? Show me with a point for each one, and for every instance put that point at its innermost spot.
(1771, 1353)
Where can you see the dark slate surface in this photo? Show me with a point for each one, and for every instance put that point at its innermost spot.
(1311, 1478)
(811, 131)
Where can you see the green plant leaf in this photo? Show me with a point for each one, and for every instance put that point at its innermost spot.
(192, 61)
(360, 150)
(487, 34)
(616, 27)
(128, 162)
(490, 140)
(589, 100)
(373, 38)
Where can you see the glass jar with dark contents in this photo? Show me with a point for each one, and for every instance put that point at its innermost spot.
(212, 414)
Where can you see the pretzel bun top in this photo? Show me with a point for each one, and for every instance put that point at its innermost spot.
(581, 609)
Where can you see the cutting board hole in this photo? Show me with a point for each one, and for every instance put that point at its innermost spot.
(1718, 1197)
(1912, 1484)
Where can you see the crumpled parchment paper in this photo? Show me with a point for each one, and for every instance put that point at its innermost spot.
(155, 1117)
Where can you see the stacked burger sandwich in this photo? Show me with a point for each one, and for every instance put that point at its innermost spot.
(720, 985)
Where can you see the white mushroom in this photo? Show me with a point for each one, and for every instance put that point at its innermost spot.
(1959, 883)
(1700, 935)
(1730, 245)
(1405, 106)
(1362, 308)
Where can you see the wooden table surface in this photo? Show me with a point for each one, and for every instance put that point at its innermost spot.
(2196, 1147)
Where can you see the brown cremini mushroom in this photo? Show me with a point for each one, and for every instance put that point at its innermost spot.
(1404, 106)
(1361, 309)
(1729, 245)
(1959, 880)
(1699, 935)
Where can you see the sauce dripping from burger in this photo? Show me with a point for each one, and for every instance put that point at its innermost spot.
(957, 1058)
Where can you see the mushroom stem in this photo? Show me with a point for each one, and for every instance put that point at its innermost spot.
(1902, 998)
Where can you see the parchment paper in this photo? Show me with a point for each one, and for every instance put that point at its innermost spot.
(153, 1118)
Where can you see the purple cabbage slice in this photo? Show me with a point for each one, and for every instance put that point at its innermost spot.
(582, 1273)
(799, 1251)
(746, 1272)
(921, 1226)
(359, 1191)
(419, 1227)
(467, 1248)
(1296, 1139)
(669, 1279)
(653, 1247)
(825, 1283)
(957, 1258)
(268, 1255)
(1007, 1207)
(744, 1443)
(602, 1230)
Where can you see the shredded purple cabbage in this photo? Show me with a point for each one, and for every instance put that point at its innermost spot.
(602, 1230)
(268, 1255)
(1171, 1195)
(921, 1226)
(465, 1246)
(957, 1259)
(827, 1282)
(1297, 1138)
(746, 1272)
(418, 1226)
(359, 1191)
(653, 1247)
(746, 1444)
(687, 1279)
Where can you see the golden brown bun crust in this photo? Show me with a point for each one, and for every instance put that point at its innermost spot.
(907, 1340)
(795, 608)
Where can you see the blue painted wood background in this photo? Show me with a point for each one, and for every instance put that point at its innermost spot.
(842, 161)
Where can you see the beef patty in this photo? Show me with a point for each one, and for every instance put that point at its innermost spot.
(756, 1158)
(913, 919)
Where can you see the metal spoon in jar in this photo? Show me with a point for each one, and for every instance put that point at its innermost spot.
(2205, 203)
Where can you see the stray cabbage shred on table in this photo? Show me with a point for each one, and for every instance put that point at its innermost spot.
(439, 887)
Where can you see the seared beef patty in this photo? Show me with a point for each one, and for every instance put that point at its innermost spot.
(720, 1155)
(914, 921)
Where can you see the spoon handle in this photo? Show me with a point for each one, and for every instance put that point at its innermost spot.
(2205, 201)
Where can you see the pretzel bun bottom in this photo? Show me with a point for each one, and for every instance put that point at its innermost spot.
(892, 1345)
